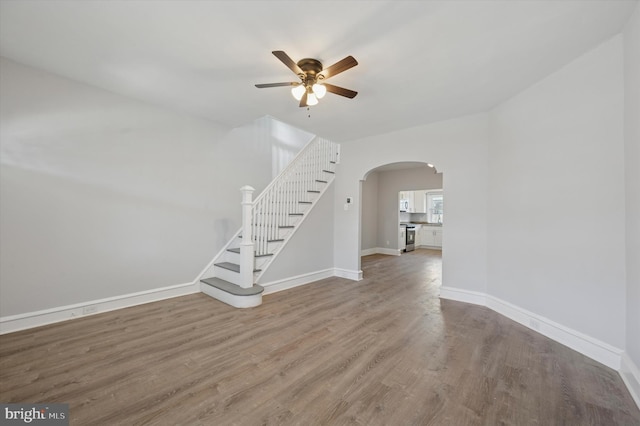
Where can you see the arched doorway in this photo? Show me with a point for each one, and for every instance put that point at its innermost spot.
(383, 220)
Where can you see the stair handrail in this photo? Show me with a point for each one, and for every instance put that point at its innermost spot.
(286, 170)
(278, 205)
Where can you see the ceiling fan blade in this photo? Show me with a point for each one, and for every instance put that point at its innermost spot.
(338, 67)
(303, 100)
(340, 90)
(262, 86)
(288, 62)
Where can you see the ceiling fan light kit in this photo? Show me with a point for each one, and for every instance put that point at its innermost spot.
(311, 97)
(312, 75)
(319, 90)
(298, 91)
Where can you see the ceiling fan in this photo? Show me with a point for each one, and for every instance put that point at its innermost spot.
(311, 86)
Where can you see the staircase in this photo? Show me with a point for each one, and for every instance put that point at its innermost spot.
(268, 222)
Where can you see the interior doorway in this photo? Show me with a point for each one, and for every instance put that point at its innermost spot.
(385, 190)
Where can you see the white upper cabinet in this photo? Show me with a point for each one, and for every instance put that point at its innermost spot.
(429, 201)
(406, 201)
(413, 201)
(419, 201)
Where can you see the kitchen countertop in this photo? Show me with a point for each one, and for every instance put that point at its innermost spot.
(420, 223)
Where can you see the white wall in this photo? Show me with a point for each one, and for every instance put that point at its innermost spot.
(103, 196)
(632, 179)
(370, 212)
(458, 148)
(390, 183)
(285, 141)
(556, 227)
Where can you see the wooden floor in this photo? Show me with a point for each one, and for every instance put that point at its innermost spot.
(382, 351)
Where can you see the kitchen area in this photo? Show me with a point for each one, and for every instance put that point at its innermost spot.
(399, 197)
(420, 214)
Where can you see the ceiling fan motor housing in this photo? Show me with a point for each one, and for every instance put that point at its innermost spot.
(311, 68)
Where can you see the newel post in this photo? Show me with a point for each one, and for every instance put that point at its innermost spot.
(247, 250)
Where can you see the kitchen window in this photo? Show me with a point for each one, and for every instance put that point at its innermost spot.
(435, 206)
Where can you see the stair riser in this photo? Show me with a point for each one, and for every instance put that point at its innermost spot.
(285, 232)
(302, 184)
(262, 262)
(285, 219)
(294, 220)
(300, 207)
(227, 275)
(259, 261)
(231, 257)
(273, 247)
(311, 196)
(233, 300)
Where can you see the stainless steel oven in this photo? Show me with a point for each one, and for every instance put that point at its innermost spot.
(410, 236)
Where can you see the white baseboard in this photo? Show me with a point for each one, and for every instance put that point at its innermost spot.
(380, 250)
(27, 320)
(586, 345)
(296, 281)
(461, 295)
(388, 251)
(9, 324)
(345, 273)
(580, 342)
(630, 374)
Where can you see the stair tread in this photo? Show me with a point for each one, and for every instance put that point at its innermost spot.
(232, 266)
(270, 241)
(329, 171)
(305, 202)
(296, 214)
(321, 181)
(232, 288)
(237, 250)
(313, 191)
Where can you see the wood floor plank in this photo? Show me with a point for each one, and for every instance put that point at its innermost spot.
(382, 351)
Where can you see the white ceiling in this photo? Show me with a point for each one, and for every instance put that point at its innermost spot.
(419, 61)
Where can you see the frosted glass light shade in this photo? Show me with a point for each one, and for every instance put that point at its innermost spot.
(298, 91)
(311, 99)
(319, 90)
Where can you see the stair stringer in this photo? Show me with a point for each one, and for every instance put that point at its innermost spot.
(208, 270)
(264, 268)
